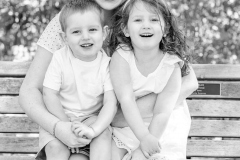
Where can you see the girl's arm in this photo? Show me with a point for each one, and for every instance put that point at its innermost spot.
(106, 114)
(166, 100)
(30, 99)
(120, 76)
(53, 104)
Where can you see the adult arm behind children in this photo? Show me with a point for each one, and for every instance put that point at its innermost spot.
(53, 104)
(166, 101)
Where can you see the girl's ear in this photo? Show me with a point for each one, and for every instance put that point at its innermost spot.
(105, 32)
(125, 30)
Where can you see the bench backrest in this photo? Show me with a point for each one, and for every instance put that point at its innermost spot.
(214, 107)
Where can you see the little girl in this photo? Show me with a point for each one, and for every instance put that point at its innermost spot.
(149, 56)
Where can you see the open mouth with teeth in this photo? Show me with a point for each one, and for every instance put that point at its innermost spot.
(146, 35)
(86, 45)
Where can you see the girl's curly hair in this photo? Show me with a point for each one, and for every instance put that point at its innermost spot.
(174, 41)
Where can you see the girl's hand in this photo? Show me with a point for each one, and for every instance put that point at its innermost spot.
(82, 130)
(74, 150)
(137, 155)
(63, 133)
(150, 145)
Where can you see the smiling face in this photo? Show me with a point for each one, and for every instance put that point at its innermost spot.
(144, 27)
(109, 4)
(84, 39)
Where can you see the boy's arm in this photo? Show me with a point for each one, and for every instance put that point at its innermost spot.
(53, 104)
(106, 114)
(165, 103)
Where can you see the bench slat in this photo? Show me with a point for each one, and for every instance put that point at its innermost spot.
(17, 124)
(207, 71)
(9, 104)
(13, 68)
(10, 85)
(203, 148)
(215, 128)
(18, 144)
(206, 148)
(214, 108)
(17, 157)
(199, 108)
(219, 71)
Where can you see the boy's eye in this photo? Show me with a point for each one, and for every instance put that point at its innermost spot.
(92, 29)
(155, 19)
(76, 32)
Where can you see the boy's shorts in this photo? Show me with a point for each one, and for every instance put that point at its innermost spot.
(45, 137)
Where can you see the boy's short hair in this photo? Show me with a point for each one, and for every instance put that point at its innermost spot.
(74, 6)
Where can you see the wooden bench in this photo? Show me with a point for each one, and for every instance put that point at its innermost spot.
(215, 129)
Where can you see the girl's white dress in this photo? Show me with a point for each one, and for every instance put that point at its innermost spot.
(174, 139)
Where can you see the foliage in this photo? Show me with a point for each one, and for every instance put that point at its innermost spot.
(212, 25)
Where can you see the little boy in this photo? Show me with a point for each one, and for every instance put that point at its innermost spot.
(77, 86)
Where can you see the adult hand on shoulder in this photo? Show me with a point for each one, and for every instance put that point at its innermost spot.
(64, 133)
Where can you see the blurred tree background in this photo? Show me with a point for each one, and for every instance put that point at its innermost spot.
(212, 25)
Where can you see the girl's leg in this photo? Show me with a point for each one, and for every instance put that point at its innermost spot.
(117, 153)
(55, 149)
(78, 157)
(100, 147)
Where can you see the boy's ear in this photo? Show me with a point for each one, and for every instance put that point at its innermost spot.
(63, 36)
(105, 32)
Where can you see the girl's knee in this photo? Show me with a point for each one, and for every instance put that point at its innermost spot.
(56, 148)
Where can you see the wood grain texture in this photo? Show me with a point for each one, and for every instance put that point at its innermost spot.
(214, 108)
(9, 104)
(208, 148)
(18, 144)
(228, 90)
(17, 157)
(13, 68)
(18, 125)
(219, 71)
(10, 85)
(215, 128)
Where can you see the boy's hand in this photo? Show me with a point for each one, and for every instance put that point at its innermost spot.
(150, 145)
(82, 130)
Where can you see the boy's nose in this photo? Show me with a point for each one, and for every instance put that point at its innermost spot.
(85, 35)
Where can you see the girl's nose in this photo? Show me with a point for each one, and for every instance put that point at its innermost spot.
(146, 25)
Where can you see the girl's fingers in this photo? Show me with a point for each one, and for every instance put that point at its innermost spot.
(72, 150)
(146, 154)
(77, 131)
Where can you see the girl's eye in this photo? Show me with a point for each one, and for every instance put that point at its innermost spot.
(137, 20)
(92, 29)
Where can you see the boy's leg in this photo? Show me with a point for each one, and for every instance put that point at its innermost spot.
(55, 149)
(100, 147)
(78, 157)
(117, 153)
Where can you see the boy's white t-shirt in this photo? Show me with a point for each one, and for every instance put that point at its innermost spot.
(81, 84)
